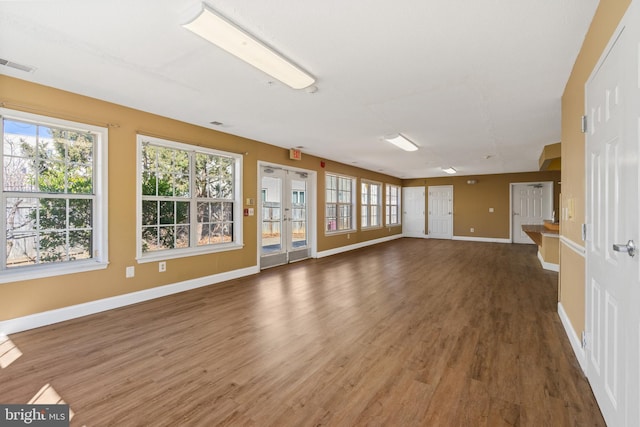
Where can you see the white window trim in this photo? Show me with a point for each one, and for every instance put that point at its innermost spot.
(100, 258)
(394, 224)
(238, 242)
(354, 194)
(381, 213)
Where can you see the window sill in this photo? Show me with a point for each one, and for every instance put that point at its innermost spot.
(40, 272)
(338, 233)
(173, 254)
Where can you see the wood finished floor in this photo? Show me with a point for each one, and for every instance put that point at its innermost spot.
(409, 332)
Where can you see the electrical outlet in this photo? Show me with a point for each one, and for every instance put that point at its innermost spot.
(130, 272)
(491, 210)
(162, 266)
(473, 230)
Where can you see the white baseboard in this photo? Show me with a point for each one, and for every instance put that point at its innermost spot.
(341, 249)
(548, 265)
(37, 320)
(416, 236)
(481, 239)
(575, 341)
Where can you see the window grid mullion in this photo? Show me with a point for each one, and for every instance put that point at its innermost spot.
(193, 203)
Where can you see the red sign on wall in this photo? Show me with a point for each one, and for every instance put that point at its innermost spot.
(295, 154)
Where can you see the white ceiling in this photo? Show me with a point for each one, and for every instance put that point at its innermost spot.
(463, 79)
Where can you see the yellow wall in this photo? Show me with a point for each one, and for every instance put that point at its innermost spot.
(471, 203)
(33, 296)
(604, 23)
(550, 157)
(550, 249)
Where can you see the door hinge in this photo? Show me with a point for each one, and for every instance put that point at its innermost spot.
(585, 233)
(583, 125)
(586, 340)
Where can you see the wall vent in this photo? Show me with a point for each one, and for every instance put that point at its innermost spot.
(17, 66)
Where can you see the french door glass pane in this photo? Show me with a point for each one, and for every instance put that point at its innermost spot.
(271, 215)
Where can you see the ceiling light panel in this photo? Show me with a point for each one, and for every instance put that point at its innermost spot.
(402, 142)
(214, 28)
(449, 170)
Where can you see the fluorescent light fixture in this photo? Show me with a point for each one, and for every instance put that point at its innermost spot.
(401, 142)
(449, 170)
(214, 28)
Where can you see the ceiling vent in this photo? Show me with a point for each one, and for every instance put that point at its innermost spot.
(17, 66)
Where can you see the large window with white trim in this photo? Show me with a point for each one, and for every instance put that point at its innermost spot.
(189, 199)
(54, 197)
(392, 205)
(371, 204)
(339, 203)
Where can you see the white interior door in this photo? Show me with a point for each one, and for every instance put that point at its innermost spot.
(613, 203)
(632, 210)
(413, 212)
(532, 203)
(440, 211)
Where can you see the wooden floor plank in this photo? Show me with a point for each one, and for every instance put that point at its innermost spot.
(409, 332)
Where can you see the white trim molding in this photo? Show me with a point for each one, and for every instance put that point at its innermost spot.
(574, 339)
(37, 320)
(416, 236)
(577, 248)
(481, 239)
(548, 265)
(342, 249)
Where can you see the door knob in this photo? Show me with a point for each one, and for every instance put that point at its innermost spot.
(629, 248)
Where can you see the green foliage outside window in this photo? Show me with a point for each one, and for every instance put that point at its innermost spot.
(176, 181)
(48, 189)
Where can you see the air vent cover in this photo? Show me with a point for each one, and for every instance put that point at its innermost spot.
(17, 66)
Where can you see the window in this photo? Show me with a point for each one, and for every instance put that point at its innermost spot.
(340, 200)
(53, 195)
(371, 204)
(189, 200)
(392, 202)
(297, 196)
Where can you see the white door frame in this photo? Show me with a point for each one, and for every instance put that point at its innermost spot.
(511, 189)
(312, 207)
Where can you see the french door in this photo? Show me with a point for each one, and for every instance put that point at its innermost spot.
(440, 211)
(413, 212)
(284, 207)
